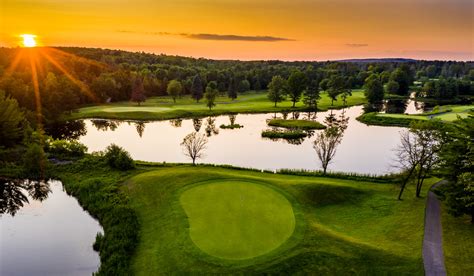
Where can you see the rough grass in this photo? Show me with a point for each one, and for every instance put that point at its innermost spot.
(237, 220)
(458, 244)
(162, 108)
(342, 226)
(296, 124)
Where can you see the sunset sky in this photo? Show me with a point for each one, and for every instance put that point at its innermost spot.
(250, 29)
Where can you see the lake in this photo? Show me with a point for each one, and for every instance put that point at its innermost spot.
(49, 237)
(364, 149)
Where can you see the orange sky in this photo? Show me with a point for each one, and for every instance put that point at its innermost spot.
(250, 29)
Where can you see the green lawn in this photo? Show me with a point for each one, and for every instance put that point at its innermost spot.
(161, 108)
(296, 124)
(447, 113)
(193, 222)
(237, 220)
(458, 244)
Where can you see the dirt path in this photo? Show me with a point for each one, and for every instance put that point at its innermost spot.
(433, 257)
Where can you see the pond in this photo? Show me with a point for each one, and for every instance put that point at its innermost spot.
(52, 236)
(364, 149)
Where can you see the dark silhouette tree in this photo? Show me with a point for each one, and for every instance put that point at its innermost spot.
(297, 83)
(197, 88)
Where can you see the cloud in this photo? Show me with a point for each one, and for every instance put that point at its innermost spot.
(218, 37)
(356, 45)
(236, 37)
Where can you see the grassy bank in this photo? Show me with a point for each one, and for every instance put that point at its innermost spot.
(162, 108)
(447, 113)
(458, 241)
(296, 124)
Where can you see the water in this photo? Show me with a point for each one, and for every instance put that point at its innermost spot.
(364, 149)
(49, 237)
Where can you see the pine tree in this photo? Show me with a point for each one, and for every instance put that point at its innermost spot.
(197, 90)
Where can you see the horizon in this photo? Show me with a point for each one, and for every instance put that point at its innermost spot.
(246, 30)
(362, 59)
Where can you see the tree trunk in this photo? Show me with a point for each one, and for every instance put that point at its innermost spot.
(294, 103)
(405, 183)
(275, 104)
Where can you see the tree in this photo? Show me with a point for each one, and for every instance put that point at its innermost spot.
(401, 77)
(138, 92)
(373, 90)
(197, 88)
(244, 85)
(418, 153)
(193, 146)
(336, 86)
(297, 83)
(456, 166)
(211, 94)
(232, 90)
(12, 121)
(277, 89)
(174, 89)
(392, 87)
(311, 95)
(326, 143)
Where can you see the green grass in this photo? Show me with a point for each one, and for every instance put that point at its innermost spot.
(446, 113)
(458, 241)
(341, 226)
(237, 220)
(296, 124)
(162, 108)
(233, 126)
(285, 134)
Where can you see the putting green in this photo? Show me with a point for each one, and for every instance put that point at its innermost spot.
(237, 219)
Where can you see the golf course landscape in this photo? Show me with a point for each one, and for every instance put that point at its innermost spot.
(208, 219)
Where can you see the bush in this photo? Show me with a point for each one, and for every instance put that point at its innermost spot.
(118, 158)
(65, 148)
(34, 162)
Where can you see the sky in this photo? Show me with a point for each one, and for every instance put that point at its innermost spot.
(250, 29)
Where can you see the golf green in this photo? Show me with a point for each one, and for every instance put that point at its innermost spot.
(237, 219)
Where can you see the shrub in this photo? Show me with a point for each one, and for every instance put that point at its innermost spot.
(65, 148)
(34, 162)
(296, 124)
(118, 158)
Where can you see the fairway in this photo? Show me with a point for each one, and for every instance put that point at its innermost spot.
(237, 219)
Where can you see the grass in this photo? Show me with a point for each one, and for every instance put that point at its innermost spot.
(341, 226)
(286, 134)
(458, 241)
(446, 113)
(162, 108)
(296, 124)
(237, 220)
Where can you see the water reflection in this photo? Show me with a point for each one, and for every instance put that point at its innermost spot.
(211, 128)
(14, 194)
(197, 123)
(364, 149)
(140, 127)
(176, 122)
(106, 125)
(66, 130)
(49, 235)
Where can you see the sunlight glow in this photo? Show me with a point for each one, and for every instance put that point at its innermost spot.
(29, 40)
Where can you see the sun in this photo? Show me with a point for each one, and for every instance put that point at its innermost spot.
(29, 40)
